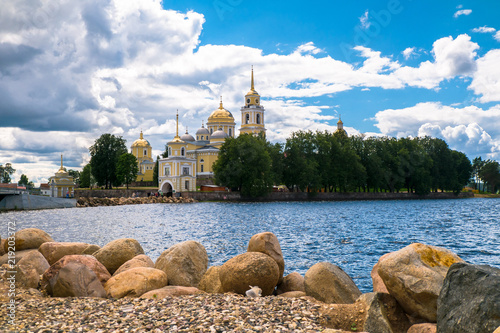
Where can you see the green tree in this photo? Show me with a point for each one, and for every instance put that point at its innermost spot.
(76, 176)
(86, 178)
(165, 153)
(24, 181)
(300, 166)
(104, 158)
(5, 173)
(155, 171)
(490, 174)
(244, 163)
(462, 171)
(477, 164)
(126, 168)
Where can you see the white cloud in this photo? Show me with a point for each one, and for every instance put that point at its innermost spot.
(408, 52)
(484, 30)
(469, 129)
(497, 36)
(452, 57)
(308, 48)
(364, 20)
(462, 12)
(73, 71)
(486, 80)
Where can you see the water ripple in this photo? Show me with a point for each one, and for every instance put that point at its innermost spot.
(352, 235)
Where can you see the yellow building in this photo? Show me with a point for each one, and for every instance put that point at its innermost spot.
(190, 159)
(143, 151)
(62, 184)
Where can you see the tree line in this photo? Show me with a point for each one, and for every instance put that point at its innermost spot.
(332, 162)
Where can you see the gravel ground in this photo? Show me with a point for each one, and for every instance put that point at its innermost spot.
(197, 313)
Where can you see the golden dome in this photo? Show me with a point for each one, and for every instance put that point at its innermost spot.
(221, 115)
(141, 142)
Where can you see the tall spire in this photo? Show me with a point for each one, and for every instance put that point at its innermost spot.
(220, 106)
(61, 161)
(252, 85)
(141, 136)
(177, 124)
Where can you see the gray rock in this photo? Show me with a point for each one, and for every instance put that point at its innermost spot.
(77, 280)
(469, 300)
(184, 263)
(328, 283)
(383, 314)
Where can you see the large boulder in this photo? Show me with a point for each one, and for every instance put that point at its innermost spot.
(383, 314)
(267, 243)
(249, 269)
(470, 299)
(292, 282)
(30, 238)
(77, 280)
(19, 255)
(372, 312)
(171, 291)
(48, 278)
(135, 282)
(378, 283)
(91, 249)
(117, 252)
(141, 260)
(414, 276)
(53, 251)
(184, 263)
(328, 283)
(210, 281)
(29, 269)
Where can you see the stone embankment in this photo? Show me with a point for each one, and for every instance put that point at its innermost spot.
(65, 286)
(94, 202)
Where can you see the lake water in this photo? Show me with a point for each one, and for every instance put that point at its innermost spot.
(350, 234)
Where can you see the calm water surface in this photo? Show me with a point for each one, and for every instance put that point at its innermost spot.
(352, 235)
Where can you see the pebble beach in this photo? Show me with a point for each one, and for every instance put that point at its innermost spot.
(195, 313)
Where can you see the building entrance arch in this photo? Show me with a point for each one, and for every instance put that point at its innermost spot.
(167, 189)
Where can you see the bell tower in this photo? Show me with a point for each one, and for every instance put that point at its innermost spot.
(252, 113)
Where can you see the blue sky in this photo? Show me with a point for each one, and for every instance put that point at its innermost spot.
(71, 72)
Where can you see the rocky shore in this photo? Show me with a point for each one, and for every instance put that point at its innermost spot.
(49, 286)
(95, 202)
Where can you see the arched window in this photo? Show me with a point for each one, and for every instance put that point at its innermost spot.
(202, 168)
(211, 131)
(182, 151)
(248, 100)
(258, 118)
(230, 132)
(202, 138)
(247, 118)
(145, 152)
(169, 151)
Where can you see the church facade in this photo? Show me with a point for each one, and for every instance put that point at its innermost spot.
(143, 152)
(190, 158)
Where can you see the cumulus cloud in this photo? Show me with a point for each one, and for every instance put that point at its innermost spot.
(486, 79)
(70, 72)
(497, 36)
(469, 129)
(462, 12)
(452, 57)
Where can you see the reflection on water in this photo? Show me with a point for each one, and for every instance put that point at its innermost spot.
(352, 235)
